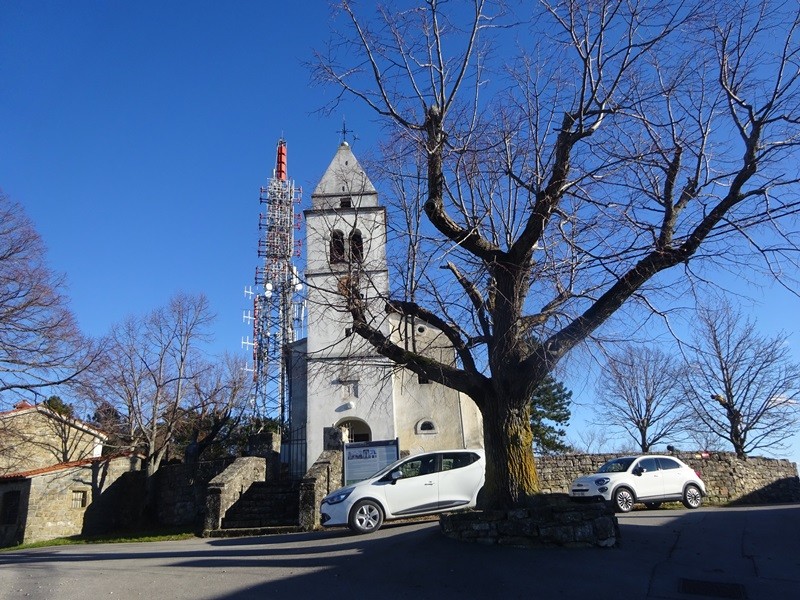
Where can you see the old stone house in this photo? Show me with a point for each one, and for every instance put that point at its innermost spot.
(74, 498)
(54, 480)
(33, 436)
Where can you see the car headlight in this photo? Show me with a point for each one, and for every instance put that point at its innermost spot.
(338, 496)
(602, 481)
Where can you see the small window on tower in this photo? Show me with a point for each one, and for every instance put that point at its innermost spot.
(356, 246)
(349, 388)
(346, 202)
(337, 246)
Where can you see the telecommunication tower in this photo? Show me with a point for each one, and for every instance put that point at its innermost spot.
(277, 315)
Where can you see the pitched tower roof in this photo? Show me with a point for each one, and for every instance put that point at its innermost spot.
(344, 178)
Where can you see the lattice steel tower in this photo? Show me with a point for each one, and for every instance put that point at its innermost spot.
(278, 310)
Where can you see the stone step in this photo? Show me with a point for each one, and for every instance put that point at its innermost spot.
(264, 504)
(255, 522)
(251, 531)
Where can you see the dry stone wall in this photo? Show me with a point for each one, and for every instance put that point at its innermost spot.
(728, 480)
(550, 520)
(182, 491)
(227, 487)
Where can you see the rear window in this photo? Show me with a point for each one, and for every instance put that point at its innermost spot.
(668, 463)
(457, 460)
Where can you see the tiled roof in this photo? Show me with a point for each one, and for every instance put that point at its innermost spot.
(64, 466)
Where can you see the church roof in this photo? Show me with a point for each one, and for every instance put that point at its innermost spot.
(344, 176)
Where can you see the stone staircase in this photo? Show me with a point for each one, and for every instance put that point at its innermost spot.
(265, 508)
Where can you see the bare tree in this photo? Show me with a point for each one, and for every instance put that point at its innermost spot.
(40, 343)
(590, 440)
(149, 371)
(627, 139)
(742, 385)
(639, 393)
(217, 402)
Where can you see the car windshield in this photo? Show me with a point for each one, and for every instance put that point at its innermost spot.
(618, 465)
(388, 468)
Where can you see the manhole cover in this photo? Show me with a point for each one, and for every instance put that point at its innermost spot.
(714, 589)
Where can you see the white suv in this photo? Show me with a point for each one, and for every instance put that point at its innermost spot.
(650, 479)
(418, 485)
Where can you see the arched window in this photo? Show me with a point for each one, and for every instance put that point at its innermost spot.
(356, 246)
(425, 427)
(337, 246)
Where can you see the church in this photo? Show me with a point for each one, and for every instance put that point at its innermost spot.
(336, 379)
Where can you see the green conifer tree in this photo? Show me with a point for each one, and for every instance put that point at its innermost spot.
(550, 413)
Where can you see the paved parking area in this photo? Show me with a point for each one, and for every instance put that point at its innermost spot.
(751, 553)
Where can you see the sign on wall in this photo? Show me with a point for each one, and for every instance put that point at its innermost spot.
(364, 459)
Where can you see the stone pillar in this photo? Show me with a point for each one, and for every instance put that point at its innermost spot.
(324, 476)
(267, 445)
(333, 438)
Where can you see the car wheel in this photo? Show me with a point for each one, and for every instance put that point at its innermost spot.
(365, 517)
(692, 498)
(623, 500)
(653, 505)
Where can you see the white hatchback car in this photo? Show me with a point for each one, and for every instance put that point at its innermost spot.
(650, 479)
(423, 484)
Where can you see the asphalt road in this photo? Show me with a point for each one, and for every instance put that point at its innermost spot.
(751, 553)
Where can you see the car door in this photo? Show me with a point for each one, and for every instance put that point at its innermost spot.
(460, 478)
(648, 482)
(417, 490)
(674, 477)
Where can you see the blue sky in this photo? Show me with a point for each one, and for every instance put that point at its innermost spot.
(136, 135)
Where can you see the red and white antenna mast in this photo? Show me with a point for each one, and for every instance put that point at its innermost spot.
(277, 306)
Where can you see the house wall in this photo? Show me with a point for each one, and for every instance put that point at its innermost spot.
(456, 419)
(345, 390)
(51, 508)
(33, 440)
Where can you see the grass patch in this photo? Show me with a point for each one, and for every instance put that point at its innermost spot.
(161, 535)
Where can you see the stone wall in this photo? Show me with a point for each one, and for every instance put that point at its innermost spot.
(181, 491)
(227, 487)
(324, 476)
(550, 520)
(728, 479)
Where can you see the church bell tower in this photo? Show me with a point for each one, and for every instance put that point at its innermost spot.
(348, 383)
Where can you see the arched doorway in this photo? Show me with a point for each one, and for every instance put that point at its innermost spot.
(357, 430)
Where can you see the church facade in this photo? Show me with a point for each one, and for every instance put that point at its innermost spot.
(336, 378)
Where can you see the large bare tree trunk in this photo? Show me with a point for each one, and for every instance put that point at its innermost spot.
(511, 475)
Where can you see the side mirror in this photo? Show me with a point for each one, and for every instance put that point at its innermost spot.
(396, 475)
(638, 471)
